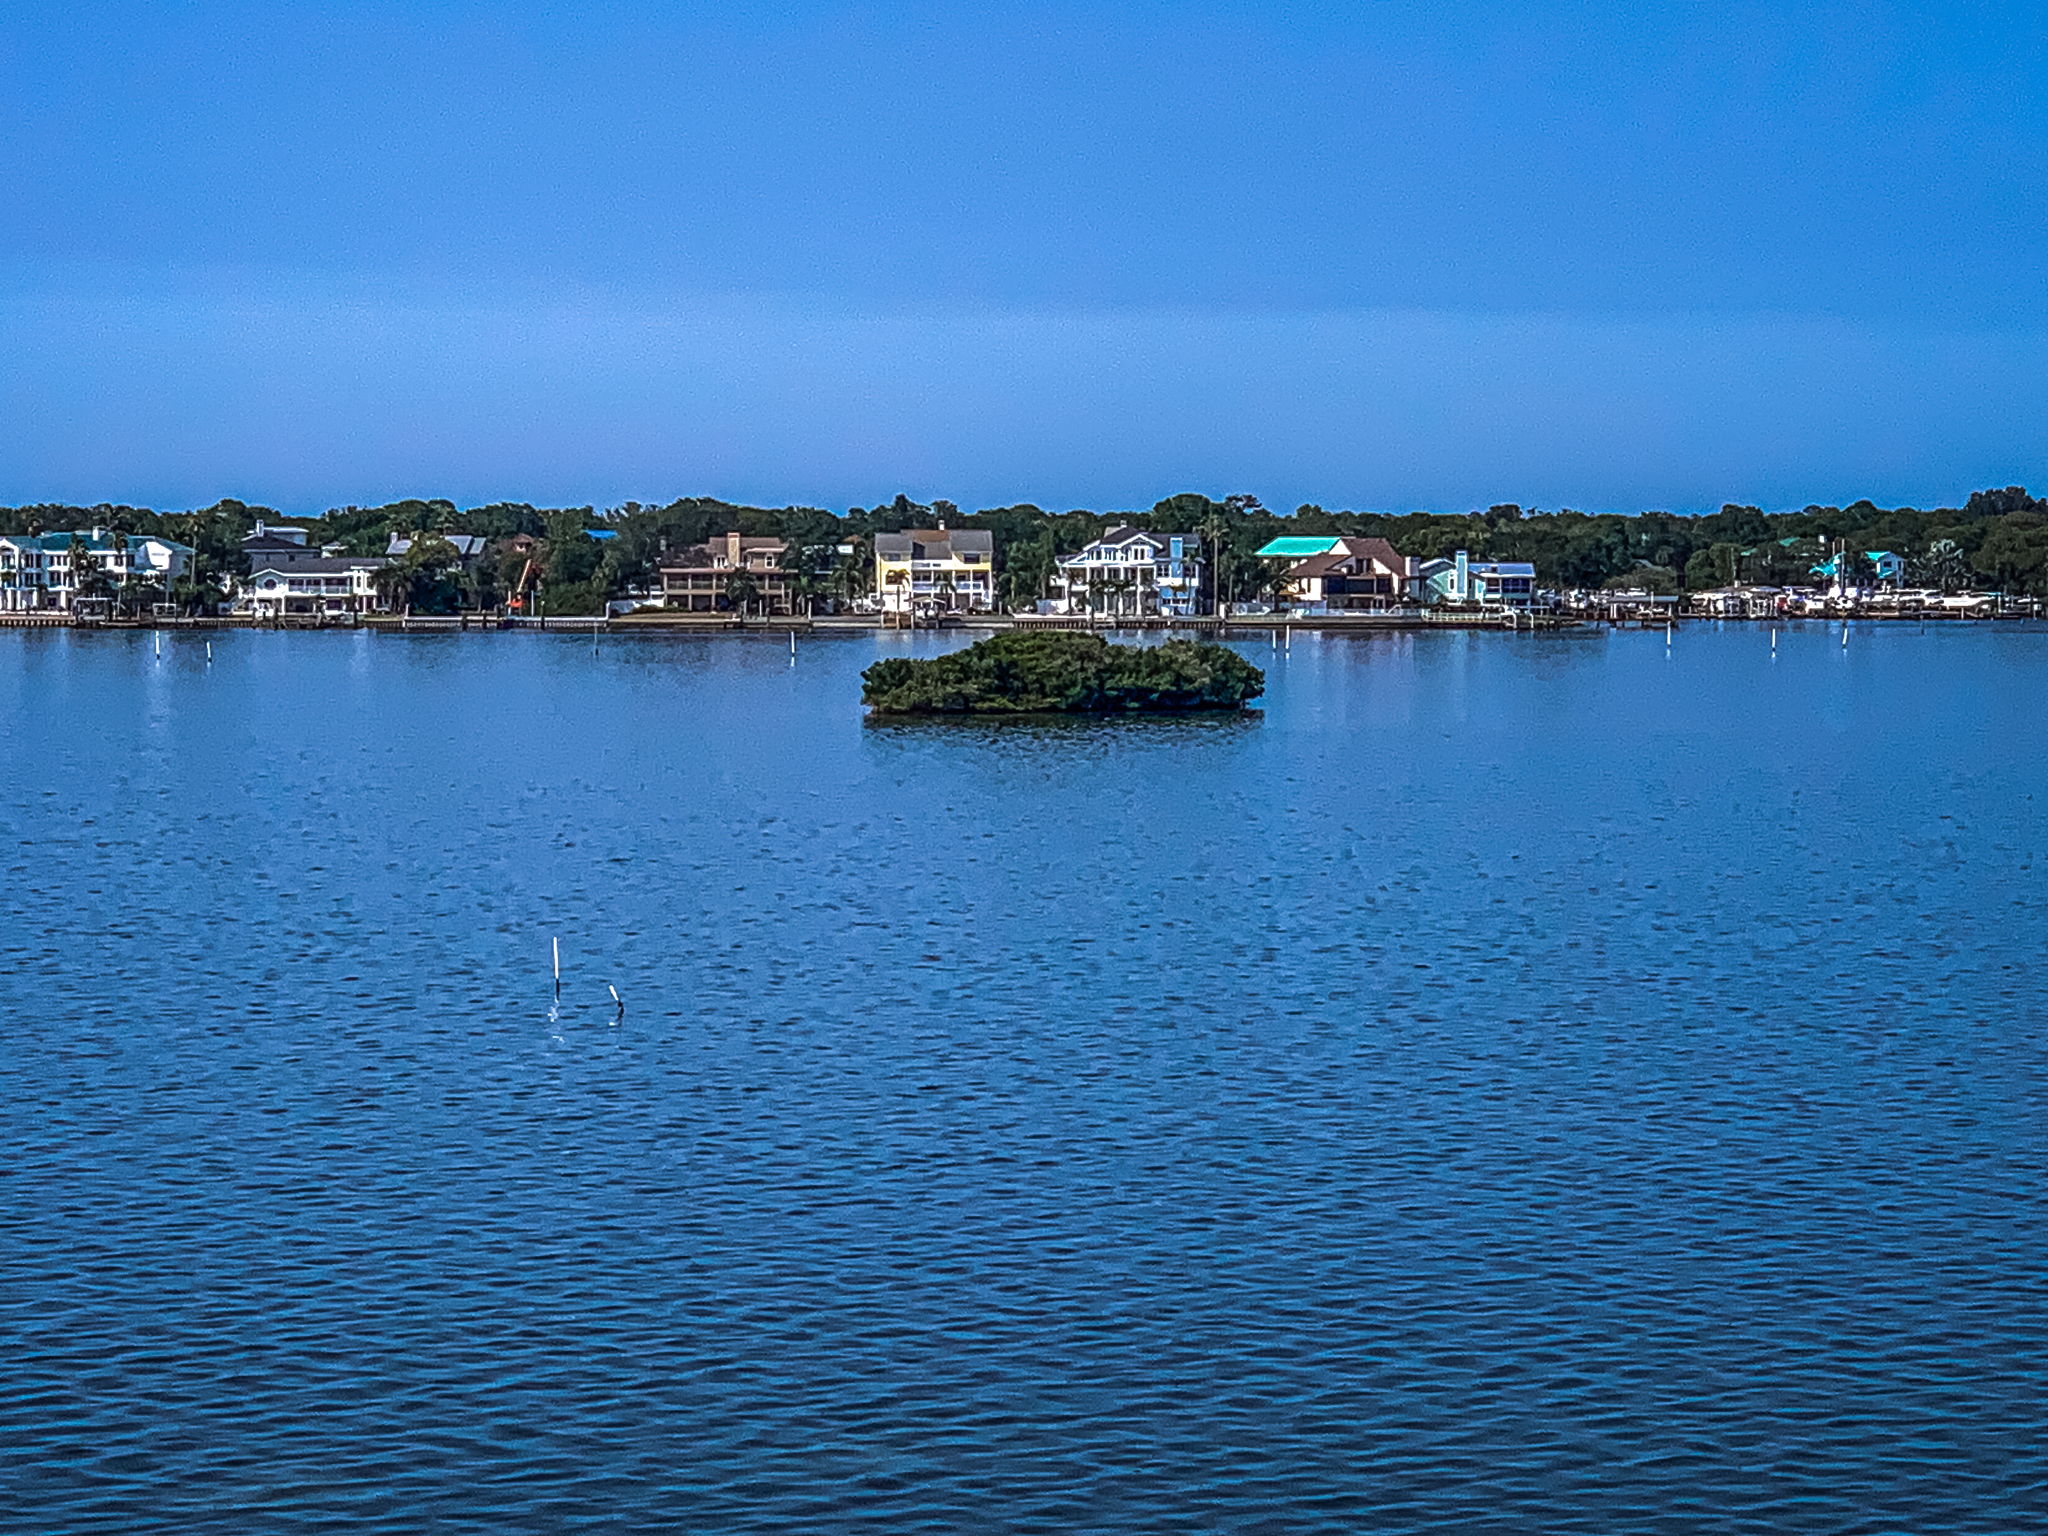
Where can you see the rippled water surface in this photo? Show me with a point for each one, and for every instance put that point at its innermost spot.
(1516, 1084)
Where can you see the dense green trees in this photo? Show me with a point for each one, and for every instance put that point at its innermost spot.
(427, 578)
(1062, 673)
(1997, 538)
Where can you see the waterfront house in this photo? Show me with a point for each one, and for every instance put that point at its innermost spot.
(43, 571)
(277, 546)
(310, 585)
(1464, 582)
(1131, 572)
(1328, 573)
(935, 571)
(1845, 572)
(699, 579)
(1353, 576)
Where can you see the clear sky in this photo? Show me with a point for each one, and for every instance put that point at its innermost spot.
(1374, 255)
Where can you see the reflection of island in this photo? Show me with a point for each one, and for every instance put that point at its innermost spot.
(1068, 674)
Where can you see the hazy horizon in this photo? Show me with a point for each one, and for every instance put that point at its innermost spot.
(1418, 257)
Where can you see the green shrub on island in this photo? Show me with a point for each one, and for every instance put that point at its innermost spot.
(1063, 673)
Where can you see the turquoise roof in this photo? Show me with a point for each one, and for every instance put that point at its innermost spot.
(1296, 549)
(59, 542)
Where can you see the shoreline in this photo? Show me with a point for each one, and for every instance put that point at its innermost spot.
(1509, 622)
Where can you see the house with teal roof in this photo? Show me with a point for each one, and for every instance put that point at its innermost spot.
(1300, 548)
(1888, 568)
(41, 572)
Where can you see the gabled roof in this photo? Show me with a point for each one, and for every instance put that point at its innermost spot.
(1353, 554)
(1320, 565)
(1124, 533)
(934, 543)
(1379, 551)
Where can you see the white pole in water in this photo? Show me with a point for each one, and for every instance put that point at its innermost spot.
(618, 1005)
(1774, 645)
(209, 653)
(159, 634)
(1845, 634)
(1667, 634)
(555, 1012)
(1290, 638)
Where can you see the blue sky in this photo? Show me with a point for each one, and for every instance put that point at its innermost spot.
(1373, 255)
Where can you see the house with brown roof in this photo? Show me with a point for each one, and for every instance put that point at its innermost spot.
(1352, 575)
(702, 578)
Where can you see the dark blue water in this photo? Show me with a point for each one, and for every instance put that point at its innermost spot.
(1519, 1084)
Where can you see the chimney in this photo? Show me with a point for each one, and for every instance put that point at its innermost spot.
(732, 550)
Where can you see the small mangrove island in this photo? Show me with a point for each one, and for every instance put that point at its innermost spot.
(1067, 674)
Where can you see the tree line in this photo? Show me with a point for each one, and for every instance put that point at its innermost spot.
(1997, 538)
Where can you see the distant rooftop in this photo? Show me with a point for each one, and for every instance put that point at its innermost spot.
(1296, 548)
(467, 545)
(97, 540)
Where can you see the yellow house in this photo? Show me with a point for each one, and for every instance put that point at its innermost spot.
(932, 569)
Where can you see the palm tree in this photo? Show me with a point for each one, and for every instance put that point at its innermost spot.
(1215, 536)
(1944, 566)
(392, 583)
(1277, 581)
(87, 579)
(853, 574)
(740, 590)
(139, 592)
(805, 589)
(197, 592)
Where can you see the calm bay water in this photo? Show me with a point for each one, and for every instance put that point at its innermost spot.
(1516, 1084)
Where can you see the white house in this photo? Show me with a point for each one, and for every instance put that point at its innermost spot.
(1129, 571)
(315, 584)
(43, 571)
